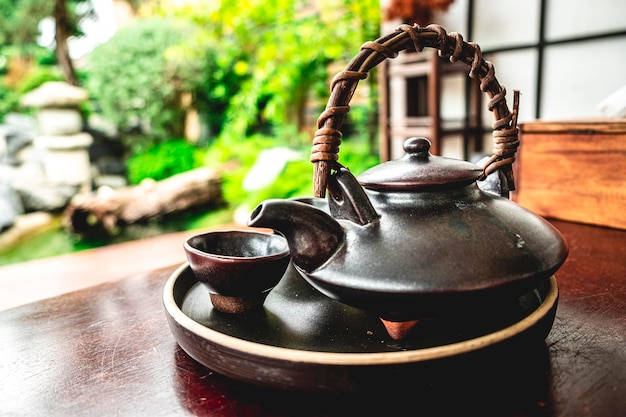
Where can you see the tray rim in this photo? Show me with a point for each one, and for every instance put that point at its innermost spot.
(352, 358)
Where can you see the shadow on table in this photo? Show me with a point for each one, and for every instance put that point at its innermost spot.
(505, 382)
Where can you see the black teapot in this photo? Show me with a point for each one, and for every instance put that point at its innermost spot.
(423, 236)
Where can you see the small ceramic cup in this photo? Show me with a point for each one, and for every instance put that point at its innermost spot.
(239, 267)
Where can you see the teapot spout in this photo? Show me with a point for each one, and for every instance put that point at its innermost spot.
(313, 235)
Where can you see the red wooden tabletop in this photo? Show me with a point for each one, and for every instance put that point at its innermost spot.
(107, 350)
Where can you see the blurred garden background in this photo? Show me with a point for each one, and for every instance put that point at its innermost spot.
(174, 86)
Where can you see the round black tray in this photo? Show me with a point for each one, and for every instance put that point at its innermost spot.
(305, 341)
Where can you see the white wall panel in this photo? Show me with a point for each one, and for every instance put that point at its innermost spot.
(516, 70)
(567, 18)
(578, 76)
(506, 22)
(455, 18)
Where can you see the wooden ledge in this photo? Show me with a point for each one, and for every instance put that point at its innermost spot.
(31, 281)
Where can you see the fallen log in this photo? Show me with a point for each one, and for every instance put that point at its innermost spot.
(107, 210)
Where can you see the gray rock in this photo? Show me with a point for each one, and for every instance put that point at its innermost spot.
(43, 196)
(10, 206)
(56, 121)
(3, 144)
(37, 192)
(18, 131)
(66, 159)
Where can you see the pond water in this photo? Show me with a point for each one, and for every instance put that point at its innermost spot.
(57, 241)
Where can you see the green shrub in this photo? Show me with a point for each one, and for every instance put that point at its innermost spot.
(135, 82)
(9, 100)
(236, 157)
(163, 160)
(10, 97)
(37, 76)
(296, 180)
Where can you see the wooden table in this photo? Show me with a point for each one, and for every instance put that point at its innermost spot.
(107, 350)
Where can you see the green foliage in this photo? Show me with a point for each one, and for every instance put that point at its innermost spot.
(21, 18)
(281, 51)
(10, 97)
(222, 72)
(9, 100)
(37, 76)
(235, 157)
(296, 180)
(251, 66)
(135, 83)
(163, 160)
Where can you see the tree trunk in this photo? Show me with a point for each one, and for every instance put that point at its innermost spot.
(105, 212)
(62, 33)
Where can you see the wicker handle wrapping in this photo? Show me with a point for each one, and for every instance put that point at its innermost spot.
(325, 150)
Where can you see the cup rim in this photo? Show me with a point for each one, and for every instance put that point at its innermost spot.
(281, 254)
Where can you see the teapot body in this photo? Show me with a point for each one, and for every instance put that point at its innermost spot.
(442, 252)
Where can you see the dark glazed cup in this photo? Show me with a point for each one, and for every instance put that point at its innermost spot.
(239, 267)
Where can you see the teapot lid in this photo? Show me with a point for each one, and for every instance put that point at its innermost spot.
(418, 169)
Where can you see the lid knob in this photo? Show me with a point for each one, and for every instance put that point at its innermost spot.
(417, 146)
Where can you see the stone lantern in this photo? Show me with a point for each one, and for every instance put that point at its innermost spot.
(62, 143)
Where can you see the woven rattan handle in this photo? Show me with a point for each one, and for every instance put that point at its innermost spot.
(325, 151)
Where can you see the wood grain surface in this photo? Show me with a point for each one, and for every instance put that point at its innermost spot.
(574, 171)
